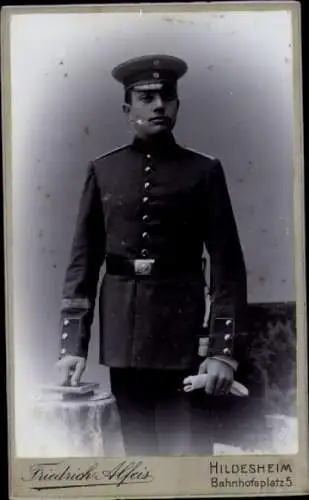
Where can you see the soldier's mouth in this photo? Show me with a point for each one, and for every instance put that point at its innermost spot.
(159, 120)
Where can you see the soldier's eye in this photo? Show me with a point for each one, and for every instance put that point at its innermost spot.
(146, 97)
(168, 95)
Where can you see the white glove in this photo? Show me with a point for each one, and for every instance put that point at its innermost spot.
(199, 381)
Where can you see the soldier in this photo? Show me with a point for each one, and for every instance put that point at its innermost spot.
(147, 209)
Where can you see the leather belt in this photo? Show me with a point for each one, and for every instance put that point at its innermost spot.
(118, 265)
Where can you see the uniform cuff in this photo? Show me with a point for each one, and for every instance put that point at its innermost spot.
(222, 332)
(74, 336)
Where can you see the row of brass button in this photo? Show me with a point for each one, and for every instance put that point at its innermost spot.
(145, 200)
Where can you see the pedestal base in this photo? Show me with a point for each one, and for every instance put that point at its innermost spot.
(72, 428)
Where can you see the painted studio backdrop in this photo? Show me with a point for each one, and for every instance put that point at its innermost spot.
(236, 104)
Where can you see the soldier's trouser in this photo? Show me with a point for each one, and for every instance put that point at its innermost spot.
(158, 418)
(152, 408)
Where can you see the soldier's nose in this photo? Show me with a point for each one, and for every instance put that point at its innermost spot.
(158, 103)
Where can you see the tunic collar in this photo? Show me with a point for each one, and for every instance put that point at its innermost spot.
(163, 146)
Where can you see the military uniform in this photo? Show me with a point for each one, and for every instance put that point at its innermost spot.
(146, 210)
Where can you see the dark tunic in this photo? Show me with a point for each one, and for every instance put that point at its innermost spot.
(163, 202)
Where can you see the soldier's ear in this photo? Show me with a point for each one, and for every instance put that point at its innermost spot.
(126, 108)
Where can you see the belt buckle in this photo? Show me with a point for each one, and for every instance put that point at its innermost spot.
(143, 266)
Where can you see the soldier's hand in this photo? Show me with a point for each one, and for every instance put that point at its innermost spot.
(220, 376)
(70, 369)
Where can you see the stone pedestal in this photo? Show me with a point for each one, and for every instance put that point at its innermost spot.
(85, 427)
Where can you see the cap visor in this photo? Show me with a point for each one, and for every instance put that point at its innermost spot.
(148, 86)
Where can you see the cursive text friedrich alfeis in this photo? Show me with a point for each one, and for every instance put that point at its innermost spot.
(125, 472)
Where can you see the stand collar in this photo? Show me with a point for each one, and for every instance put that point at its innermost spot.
(163, 145)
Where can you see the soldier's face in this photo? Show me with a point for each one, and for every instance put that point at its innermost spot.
(152, 111)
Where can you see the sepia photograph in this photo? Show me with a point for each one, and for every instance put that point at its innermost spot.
(154, 269)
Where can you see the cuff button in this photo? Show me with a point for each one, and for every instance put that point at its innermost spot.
(227, 337)
(65, 336)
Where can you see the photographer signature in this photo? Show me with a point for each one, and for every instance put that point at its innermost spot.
(57, 475)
